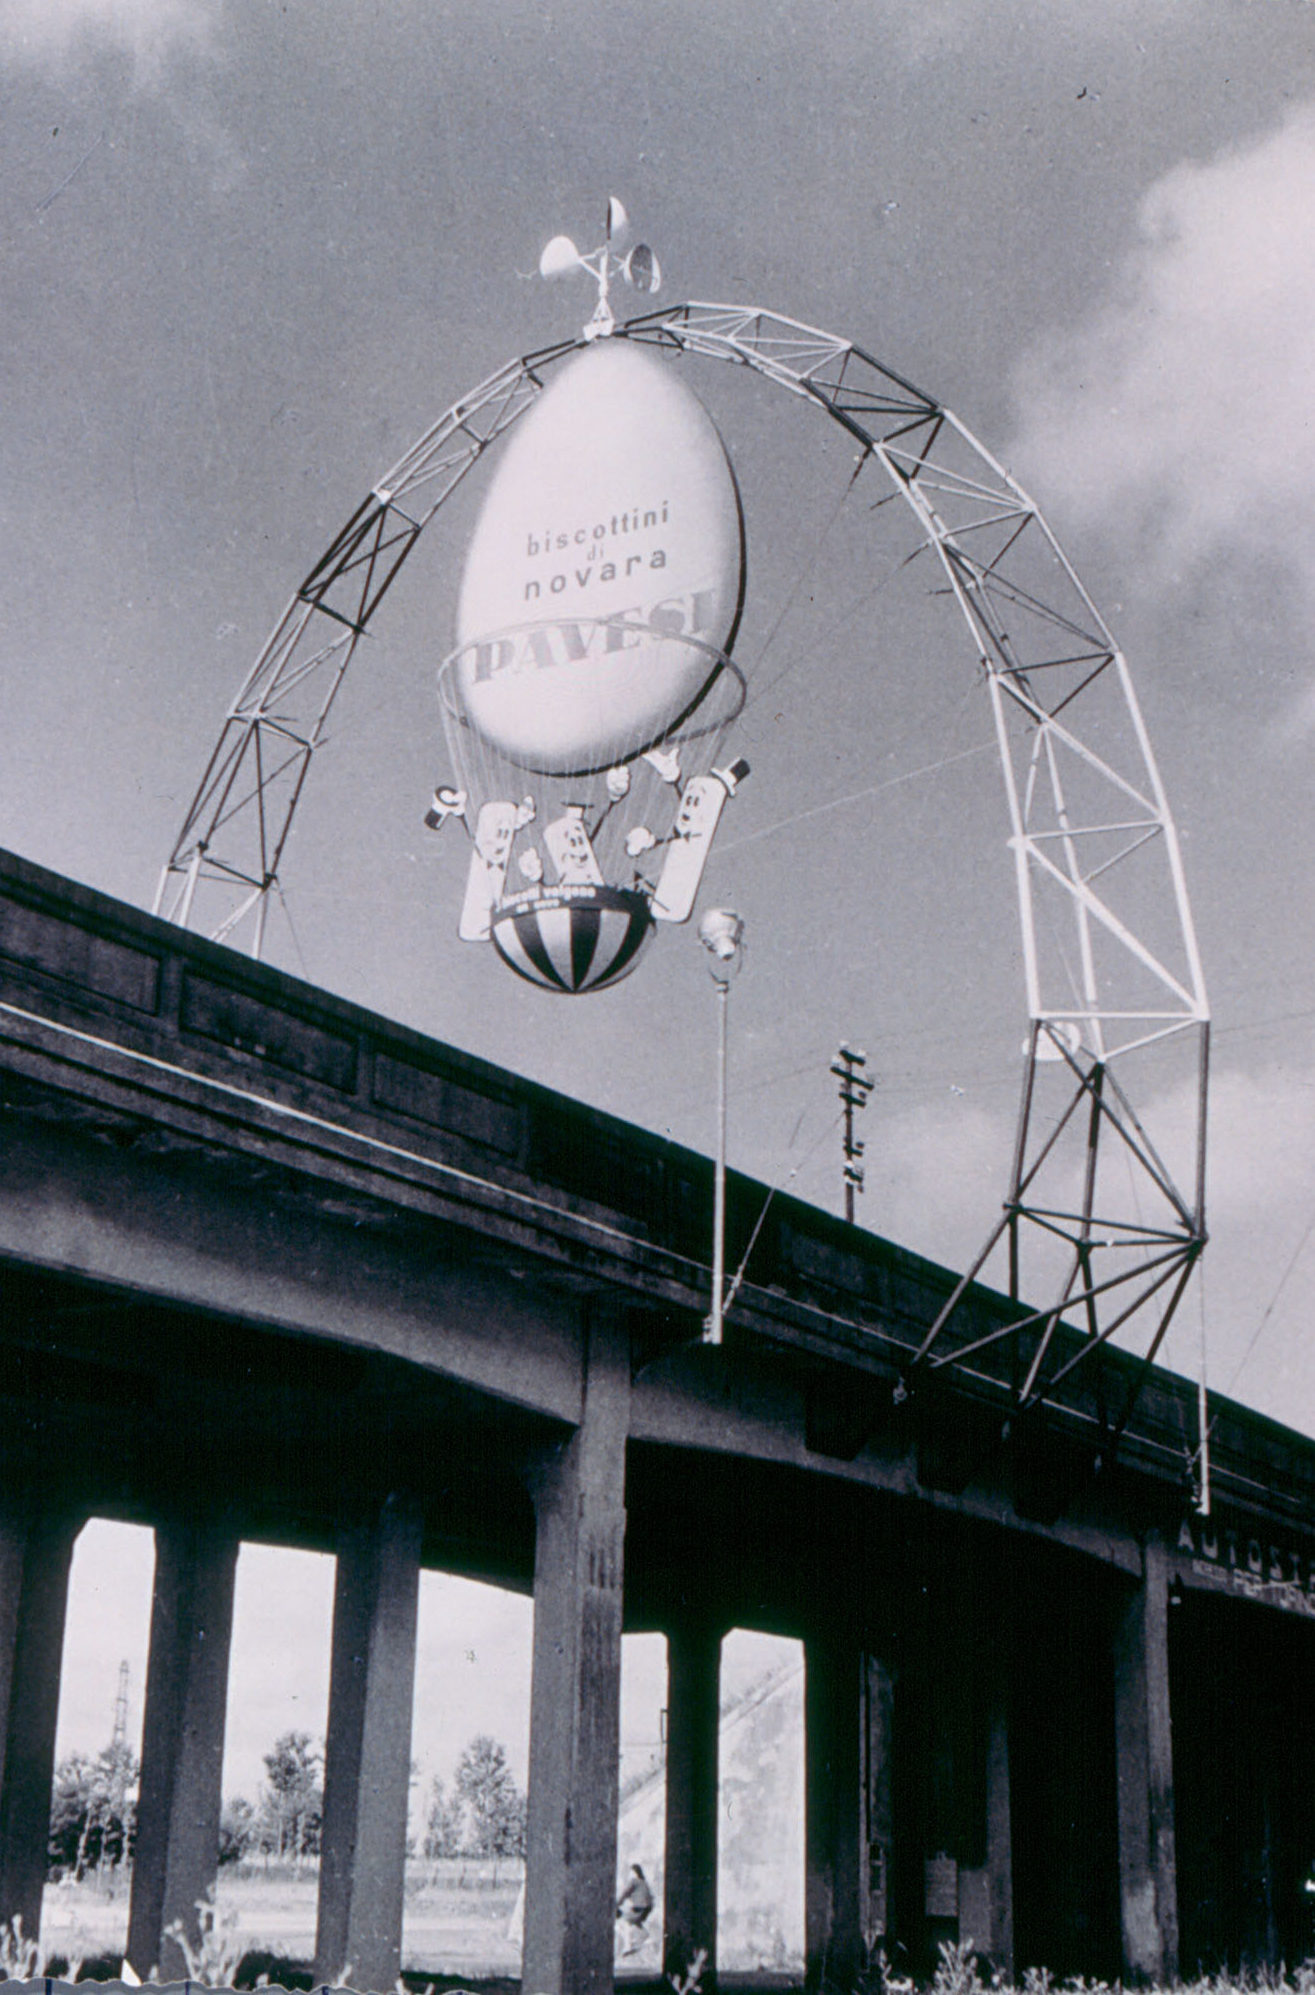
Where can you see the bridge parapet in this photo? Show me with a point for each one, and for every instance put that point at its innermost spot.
(438, 1315)
(140, 1035)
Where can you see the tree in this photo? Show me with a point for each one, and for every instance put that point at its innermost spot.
(237, 1829)
(443, 1822)
(70, 1809)
(292, 1804)
(93, 1809)
(493, 1804)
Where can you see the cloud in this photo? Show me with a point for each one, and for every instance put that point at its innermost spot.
(1183, 416)
(1260, 1213)
(49, 32)
(939, 1172)
(938, 1175)
(51, 35)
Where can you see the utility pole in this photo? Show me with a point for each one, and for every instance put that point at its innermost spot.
(854, 1092)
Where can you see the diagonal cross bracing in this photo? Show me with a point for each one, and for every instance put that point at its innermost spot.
(235, 829)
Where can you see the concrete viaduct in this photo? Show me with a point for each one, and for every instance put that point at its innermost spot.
(273, 1267)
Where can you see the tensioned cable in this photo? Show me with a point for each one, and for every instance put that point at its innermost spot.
(779, 1185)
(1262, 1024)
(774, 1077)
(856, 797)
(1203, 1409)
(807, 562)
(860, 602)
(1272, 1305)
(826, 636)
(292, 930)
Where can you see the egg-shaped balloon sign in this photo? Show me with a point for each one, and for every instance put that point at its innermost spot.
(604, 578)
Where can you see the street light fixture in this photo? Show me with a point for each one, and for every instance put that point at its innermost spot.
(721, 931)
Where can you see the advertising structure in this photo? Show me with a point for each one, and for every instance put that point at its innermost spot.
(590, 686)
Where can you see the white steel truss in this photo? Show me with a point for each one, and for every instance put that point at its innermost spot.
(1098, 1214)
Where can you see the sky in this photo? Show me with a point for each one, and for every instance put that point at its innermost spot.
(472, 1662)
(253, 247)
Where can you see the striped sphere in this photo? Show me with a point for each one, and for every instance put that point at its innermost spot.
(581, 941)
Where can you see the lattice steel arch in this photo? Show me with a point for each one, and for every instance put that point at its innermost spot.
(1111, 964)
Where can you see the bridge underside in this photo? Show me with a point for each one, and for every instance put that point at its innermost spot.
(974, 1713)
(272, 1268)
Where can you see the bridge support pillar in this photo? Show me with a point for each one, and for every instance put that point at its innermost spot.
(367, 1760)
(945, 1804)
(579, 1496)
(876, 1844)
(986, 1888)
(34, 1569)
(1148, 1885)
(689, 1916)
(177, 1846)
(833, 1810)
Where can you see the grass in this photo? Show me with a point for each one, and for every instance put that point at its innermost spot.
(458, 1912)
(958, 1972)
(457, 1915)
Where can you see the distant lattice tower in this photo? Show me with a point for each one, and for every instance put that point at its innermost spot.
(120, 1734)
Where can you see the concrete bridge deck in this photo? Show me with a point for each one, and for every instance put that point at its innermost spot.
(274, 1266)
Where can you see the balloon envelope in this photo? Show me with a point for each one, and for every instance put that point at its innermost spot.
(604, 576)
(575, 943)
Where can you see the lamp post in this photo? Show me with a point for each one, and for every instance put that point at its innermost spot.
(721, 931)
